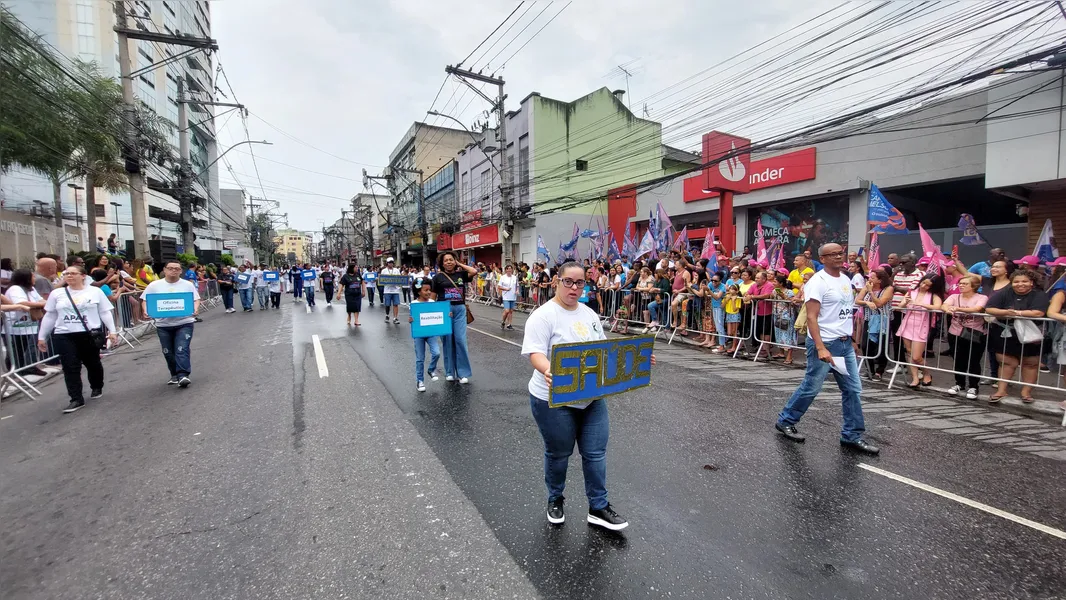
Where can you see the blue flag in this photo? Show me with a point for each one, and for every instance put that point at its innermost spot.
(1045, 249)
(542, 250)
(970, 235)
(629, 246)
(882, 217)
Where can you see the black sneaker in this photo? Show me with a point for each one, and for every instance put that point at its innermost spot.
(607, 518)
(555, 512)
(173, 381)
(96, 394)
(510, 328)
(74, 406)
(184, 382)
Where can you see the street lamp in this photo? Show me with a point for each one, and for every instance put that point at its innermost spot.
(116, 205)
(77, 208)
(219, 157)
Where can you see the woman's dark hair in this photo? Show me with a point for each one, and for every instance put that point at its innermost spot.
(22, 278)
(5, 264)
(883, 276)
(118, 264)
(98, 275)
(1031, 275)
(350, 270)
(440, 258)
(783, 280)
(96, 263)
(570, 264)
(938, 287)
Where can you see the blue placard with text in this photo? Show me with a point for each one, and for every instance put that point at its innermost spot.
(394, 279)
(587, 371)
(430, 319)
(271, 276)
(308, 275)
(170, 305)
(243, 277)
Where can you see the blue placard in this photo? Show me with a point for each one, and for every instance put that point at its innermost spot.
(587, 371)
(170, 305)
(243, 277)
(394, 279)
(430, 319)
(271, 276)
(308, 275)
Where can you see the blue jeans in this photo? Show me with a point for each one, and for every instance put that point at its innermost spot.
(310, 293)
(391, 300)
(370, 292)
(246, 298)
(850, 389)
(420, 356)
(560, 428)
(456, 357)
(175, 342)
(227, 297)
(719, 324)
(263, 293)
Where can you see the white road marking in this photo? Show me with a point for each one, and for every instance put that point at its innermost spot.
(971, 503)
(7, 417)
(494, 336)
(320, 357)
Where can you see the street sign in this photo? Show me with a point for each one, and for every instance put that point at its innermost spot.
(230, 244)
(587, 371)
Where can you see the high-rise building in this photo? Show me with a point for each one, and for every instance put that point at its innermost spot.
(293, 245)
(84, 30)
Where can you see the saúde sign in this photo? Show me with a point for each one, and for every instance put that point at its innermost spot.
(586, 371)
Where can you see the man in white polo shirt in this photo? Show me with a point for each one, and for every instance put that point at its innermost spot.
(830, 302)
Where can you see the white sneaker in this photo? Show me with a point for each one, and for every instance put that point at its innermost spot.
(464, 380)
(954, 390)
(449, 378)
(971, 394)
(433, 377)
(420, 386)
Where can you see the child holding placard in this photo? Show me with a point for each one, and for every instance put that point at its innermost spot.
(425, 294)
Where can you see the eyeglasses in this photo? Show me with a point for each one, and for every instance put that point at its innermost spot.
(570, 283)
(841, 253)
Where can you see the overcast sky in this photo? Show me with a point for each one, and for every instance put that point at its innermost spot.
(349, 78)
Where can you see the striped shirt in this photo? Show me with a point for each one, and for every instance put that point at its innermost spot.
(903, 283)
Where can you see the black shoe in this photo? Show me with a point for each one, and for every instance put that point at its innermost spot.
(96, 394)
(173, 381)
(74, 406)
(510, 328)
(555, 512)
(607, 518)
(790, 432)
(861, 446)
(184, 382)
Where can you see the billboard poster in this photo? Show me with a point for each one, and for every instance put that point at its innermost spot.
(803, 225)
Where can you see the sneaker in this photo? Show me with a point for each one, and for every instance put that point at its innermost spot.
(954, 390)
(555, 511)
(433, 376)
(985, 382)
(503, 326)
(97, 393)
(449, 378)
(173, 381)
(395, 321)
(184, 382)
(1045, 369)
(386, 320)
(971, 394)
(464, 380)
(607, 518)
(510, 328)
(74, 406)
(420, 386)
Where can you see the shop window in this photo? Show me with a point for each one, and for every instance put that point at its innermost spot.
(100, 210)
(581, 165)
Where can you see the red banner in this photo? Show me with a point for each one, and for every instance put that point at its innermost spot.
(768, 172)
(474, 238)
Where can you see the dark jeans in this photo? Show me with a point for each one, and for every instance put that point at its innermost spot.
(176, 342)
(275, 299)
(898, 349)
(327, 291)
(968, 360)
(75, 350)
(563, 426)
(370, 294)
(227, 297)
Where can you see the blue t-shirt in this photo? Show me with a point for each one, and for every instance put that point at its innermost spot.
(982, 268)
(817, 265)
(716, 302)
(189, 275)
(106, 289)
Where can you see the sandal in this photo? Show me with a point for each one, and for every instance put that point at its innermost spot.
(994, 399)
(1028, 399)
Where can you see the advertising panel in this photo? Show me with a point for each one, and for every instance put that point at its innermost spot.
(803, 225)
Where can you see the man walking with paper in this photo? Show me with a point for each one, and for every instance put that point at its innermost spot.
(830, 302)
(180, 298)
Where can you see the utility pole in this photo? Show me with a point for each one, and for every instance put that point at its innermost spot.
(132, 154)
(506, 188)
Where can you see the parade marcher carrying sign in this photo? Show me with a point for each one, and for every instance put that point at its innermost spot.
(563, 323)
(585, 371)
(308, 276)
(173, 303)
(429, 320)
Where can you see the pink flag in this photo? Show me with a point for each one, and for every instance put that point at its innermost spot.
(760, 255)
(708, 244)
(874, 258)
(931, 251)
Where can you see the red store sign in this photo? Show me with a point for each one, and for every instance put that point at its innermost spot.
(488, 235)
(768, 172)
(444, 241)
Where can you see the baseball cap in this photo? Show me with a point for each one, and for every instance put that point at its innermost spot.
(390, 260)
(1028, 261)
(1058, 262)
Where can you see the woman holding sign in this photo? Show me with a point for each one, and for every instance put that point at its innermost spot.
(354, 289)
(450, 284)
(564, 320)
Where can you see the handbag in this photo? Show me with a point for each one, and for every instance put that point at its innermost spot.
(98, 336)
(973, 336)
(1027, 331)
(469, 315)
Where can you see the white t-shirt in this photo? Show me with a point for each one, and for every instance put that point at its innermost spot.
(552, 324)
(511, 283)
(60, 317)
(162, 286)
(275, 286)
(257, 276)
(243, 286)
(858, 281)
(837, 298)
(19, 322)
(392, 289)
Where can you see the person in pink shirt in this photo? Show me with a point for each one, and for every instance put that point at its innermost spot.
(764, 322)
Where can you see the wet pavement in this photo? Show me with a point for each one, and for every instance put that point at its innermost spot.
(356, 485)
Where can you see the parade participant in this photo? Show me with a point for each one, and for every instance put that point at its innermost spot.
(508, 287)
(391, 295)
(245, 288)
(262, 286)
(354, 289)
(225, 287)
(425, 294)
(450, 284)
(370, 276)
(297, 282)
(309, 285)
(70, 317)
(328, 278)
(564, 320)
(830, 302)
(175, 333)
(274, 287)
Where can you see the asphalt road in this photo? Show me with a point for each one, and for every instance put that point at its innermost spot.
(265, 480)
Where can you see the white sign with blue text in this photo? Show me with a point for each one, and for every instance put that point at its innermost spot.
(430, 319)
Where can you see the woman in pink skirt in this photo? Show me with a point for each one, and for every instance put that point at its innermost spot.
(917, 321)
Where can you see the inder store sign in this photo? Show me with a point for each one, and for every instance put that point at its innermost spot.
(765, 173)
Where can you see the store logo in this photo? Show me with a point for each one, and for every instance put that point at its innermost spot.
(731, 168)
(473, 238)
